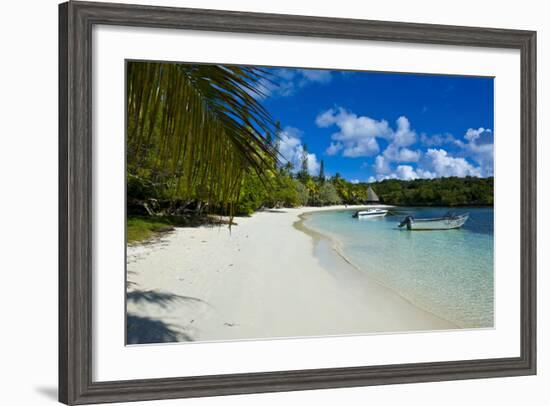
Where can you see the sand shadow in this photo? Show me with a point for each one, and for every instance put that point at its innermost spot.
(147, 330)
(159, 298)
(144, 330)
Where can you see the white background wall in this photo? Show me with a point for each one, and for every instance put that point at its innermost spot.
(28, 200)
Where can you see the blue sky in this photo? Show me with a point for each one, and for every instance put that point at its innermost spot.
(371, 126)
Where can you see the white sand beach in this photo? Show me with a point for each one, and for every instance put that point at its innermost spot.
(264, 278)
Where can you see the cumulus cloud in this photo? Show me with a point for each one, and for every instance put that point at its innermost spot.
(445, 165)
(315, 75)
(334, 148)
(291, 149)
(406, 172)
(313, 164)
(477, 147)
(473, 134)
(436, 163)
(480, 147)
(285, 82)
(381, 165)
(363, 147)
(353, 127)
(436, 139)
(357, 135)
(394, 153)
(404, 135)
(326, 119)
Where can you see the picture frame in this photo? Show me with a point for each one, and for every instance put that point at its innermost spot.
(76, 20)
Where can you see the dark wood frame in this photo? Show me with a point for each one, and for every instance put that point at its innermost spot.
(76, 20)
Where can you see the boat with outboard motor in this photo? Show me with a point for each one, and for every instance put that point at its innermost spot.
(449, 221)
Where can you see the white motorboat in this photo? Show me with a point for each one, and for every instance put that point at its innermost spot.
(448, 222)
(368, 213)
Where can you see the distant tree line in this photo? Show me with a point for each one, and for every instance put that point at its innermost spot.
(452, 191)
(302, 189)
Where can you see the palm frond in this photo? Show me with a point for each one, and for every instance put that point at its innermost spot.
(197, 127)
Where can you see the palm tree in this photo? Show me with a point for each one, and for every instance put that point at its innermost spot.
(196, 129)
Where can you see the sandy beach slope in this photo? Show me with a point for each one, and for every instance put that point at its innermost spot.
(264, 278)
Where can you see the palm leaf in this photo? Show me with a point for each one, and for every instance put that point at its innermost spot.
(197, 128)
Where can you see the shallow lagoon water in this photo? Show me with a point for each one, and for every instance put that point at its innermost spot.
(447, 272)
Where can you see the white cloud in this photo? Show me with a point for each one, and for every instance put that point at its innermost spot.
(286, 82)
(404, 136)
(480, 147)
(436, 163)
(436, 139)
(484, 155)
(443, 165)
(363, 147)
(381, 165)
(425, 174)
(397, 151)
(313, 165)
(406, 172)
(407, 155)
(326, 119)
(384, 177)
(357, 134)
(353, 127)
(291, 149)
(358, 137)
(315, 75)
(473, 134)
(394, 153)
(334, 148)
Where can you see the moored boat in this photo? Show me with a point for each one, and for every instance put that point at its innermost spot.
(367, 213)
(448, 222)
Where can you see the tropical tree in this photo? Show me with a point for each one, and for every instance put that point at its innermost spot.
(313, 190)
(322, 177)
(303, 193)
(342, 187)
(303, 175)
(195, 130)
(328, 194)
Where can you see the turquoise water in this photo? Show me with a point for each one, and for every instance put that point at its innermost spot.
(449, 272)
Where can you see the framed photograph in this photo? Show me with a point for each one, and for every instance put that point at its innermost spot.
(258, 202)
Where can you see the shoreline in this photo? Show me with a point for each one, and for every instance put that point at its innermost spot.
(337, 250)
(260, 280)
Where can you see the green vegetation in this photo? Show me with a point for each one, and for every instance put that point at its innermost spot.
(468, 191)
(199, 143)
(317, 191)
(194, 131)
(140, 229)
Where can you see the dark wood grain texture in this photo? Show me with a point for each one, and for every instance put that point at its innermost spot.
(76, 20)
